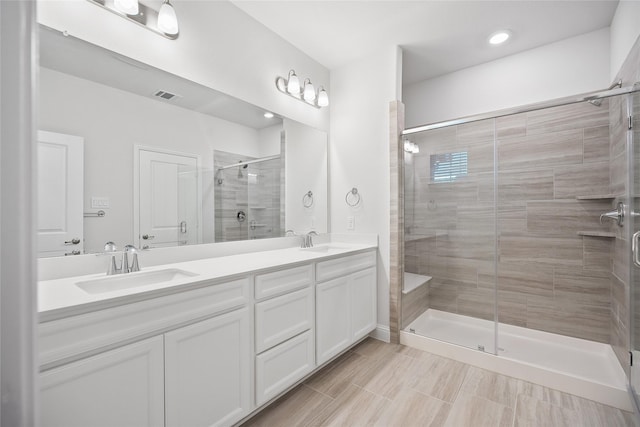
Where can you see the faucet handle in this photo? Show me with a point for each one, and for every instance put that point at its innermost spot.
(110, 247)
(290, 232)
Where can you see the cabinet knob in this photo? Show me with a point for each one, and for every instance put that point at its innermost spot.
(147, 237)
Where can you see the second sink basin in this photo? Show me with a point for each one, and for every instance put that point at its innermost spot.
(324, 248)
(132, 280)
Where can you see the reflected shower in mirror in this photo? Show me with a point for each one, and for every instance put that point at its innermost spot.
(154, 148)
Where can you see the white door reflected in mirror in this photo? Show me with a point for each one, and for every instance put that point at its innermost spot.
(60, 194)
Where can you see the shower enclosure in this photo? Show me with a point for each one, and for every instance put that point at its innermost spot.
(248, 197)
(513, 241)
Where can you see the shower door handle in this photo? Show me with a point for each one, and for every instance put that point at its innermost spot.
(634, 248)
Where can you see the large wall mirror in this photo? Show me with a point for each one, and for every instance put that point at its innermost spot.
(135, 155)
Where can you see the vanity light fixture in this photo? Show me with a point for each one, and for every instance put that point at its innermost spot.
(167, 19)
(308, 91)
(308, 94)
(293, 84)
(323, 98)
(163, 21)
(499, 37)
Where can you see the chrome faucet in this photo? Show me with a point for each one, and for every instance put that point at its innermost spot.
(307, 241)
(126, 268)
(111, 248)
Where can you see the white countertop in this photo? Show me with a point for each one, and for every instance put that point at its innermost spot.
(62, 297)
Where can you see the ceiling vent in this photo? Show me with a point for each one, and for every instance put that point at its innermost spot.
(166, 95)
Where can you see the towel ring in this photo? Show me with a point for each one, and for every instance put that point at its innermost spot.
(354, 200)
(307, 199)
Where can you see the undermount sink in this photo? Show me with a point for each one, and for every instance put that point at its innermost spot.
(132, 280)
(324, 248)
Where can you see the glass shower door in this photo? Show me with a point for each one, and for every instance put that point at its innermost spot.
(450, 236)
(633, 151)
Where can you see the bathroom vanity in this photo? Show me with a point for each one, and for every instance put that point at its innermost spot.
(215, 341)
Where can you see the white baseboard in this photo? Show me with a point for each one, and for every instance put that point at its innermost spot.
(382, 333)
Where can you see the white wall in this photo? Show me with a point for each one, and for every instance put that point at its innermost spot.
(306, 170)
(359, 152)
(625, 29)
(219, 46)
(102, 116)
(568, 67)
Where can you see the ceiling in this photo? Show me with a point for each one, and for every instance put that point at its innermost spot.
(437, 37)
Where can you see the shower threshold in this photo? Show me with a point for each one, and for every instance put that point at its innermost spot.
(584, 368)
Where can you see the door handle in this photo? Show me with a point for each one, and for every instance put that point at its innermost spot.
(76, 252)
(634, 248)
(183, 227)
(147, 237)
(72, 241)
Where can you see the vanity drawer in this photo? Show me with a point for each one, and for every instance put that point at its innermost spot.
(283, 317)
(74, 335)
(327, 270)
(278, 282)
(283, 366)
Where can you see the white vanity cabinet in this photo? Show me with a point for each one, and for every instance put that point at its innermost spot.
(345, 303)
(120, 387)
(209, 354)
(283, 330)
(208, 371)
(198, 374)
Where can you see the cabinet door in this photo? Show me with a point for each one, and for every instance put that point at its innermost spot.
(333, 329)
(207, 371)
(363, 303)
(121, 387)
(283, 365)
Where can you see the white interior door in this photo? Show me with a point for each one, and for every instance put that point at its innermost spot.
(60, 194)
(168, 199)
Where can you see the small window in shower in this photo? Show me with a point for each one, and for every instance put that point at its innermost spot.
(448, 167)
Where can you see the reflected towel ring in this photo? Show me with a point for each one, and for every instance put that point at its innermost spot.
(307, 199)
(354, 200)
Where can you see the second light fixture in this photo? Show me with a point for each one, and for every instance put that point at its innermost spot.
(307, 93)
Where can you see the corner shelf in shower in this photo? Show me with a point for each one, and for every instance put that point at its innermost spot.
(413, 281)
(597, 234)
(597, 197)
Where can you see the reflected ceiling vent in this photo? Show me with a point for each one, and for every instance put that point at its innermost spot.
(166, 95)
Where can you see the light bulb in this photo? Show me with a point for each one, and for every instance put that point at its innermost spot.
(268, 115)
(499, 37)
(281, 84)
(309, 92)
(415, 149)
(323, 98)
(130, 7)
(293, 84)
(407, 145)
(167, 19)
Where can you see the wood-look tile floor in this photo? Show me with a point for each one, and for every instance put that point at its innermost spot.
(379, 384)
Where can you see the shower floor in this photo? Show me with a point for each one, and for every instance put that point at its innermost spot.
(577, 361)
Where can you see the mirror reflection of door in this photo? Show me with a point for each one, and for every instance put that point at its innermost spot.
(168, 202)
(60, 194)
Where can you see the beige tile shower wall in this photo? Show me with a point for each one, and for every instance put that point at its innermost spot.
(549, 277)
(255, 190)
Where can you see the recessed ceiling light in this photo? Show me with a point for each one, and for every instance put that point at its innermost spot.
(268, 115)
(499, 37)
